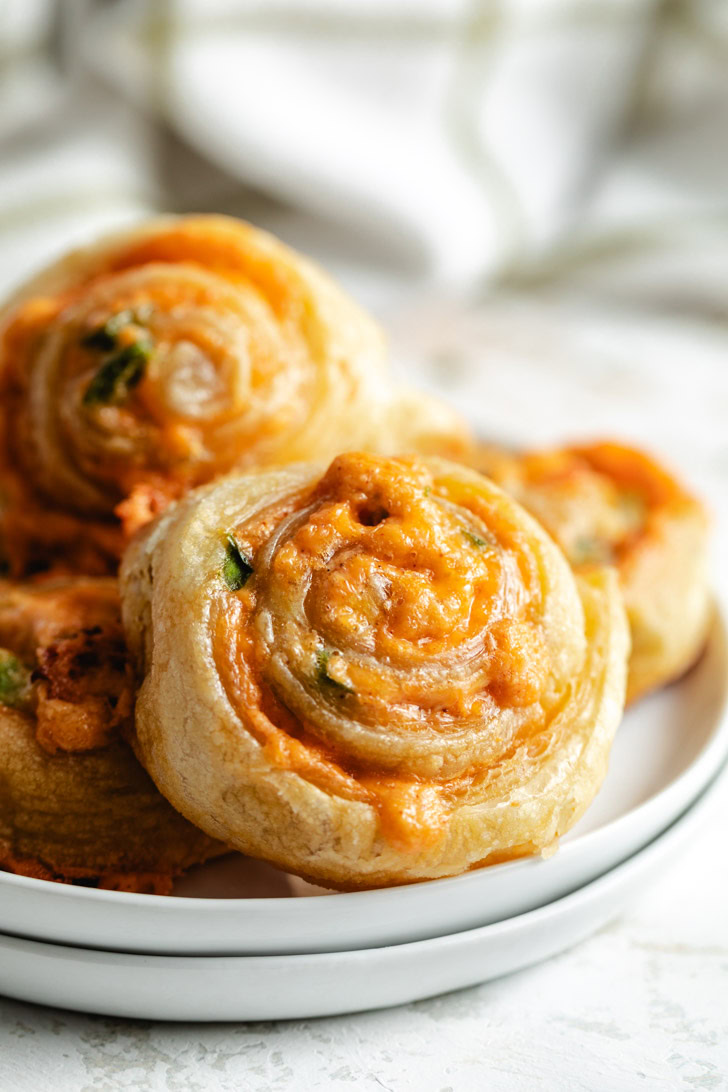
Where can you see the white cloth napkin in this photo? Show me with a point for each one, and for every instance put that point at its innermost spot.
(457, 136)
(443, 139)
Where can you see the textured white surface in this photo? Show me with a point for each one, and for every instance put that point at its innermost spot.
(641, 1005)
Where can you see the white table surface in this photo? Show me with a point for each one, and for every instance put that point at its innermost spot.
(641, 1005)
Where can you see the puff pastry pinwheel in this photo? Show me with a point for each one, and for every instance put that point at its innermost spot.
(75, 805)
(158, 359)
(382, 673)
(607, 503)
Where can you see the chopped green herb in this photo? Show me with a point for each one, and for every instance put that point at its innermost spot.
(106, 336)
(323, 676)
(428, 490)
(237, 567)
(475, 539)
(14, 681)
(101, 337)
(118, 374)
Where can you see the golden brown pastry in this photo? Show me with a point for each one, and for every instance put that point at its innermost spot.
(161, 358)
(606, 503)
(382, 673)
(424, 425)
(75, 805)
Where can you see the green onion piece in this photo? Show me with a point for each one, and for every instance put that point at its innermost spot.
(475, 539)
(322, 673)
(118, 374)
(106, 336)
(14, 681)
(237, 568)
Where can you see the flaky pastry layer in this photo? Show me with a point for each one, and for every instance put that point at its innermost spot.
(75, 805)
(377, 674)
(164, 356)
(608, 503)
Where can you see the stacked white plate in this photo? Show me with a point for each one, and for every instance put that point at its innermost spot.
(241, 941)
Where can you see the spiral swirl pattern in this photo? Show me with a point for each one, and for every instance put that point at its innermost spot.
(160, 359)
(383, 673)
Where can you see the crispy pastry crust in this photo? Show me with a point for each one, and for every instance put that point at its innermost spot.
(162, 357)
(410, 683)
(75, 805)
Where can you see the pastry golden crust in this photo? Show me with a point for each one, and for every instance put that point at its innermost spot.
(75, 803)
(376, 675)
(606, 503)
(421, 424)
(161, 358)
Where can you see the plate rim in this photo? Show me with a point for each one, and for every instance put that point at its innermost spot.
(691, 817)
(709, 758)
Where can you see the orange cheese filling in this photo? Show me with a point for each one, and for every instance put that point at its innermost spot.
(70, 642)
(602, 502)
(158, 373)
(381, 577)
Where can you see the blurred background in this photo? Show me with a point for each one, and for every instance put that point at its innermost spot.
(531, 194)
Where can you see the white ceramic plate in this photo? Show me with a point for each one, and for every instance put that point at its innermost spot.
(666, 751)
(302, 986)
